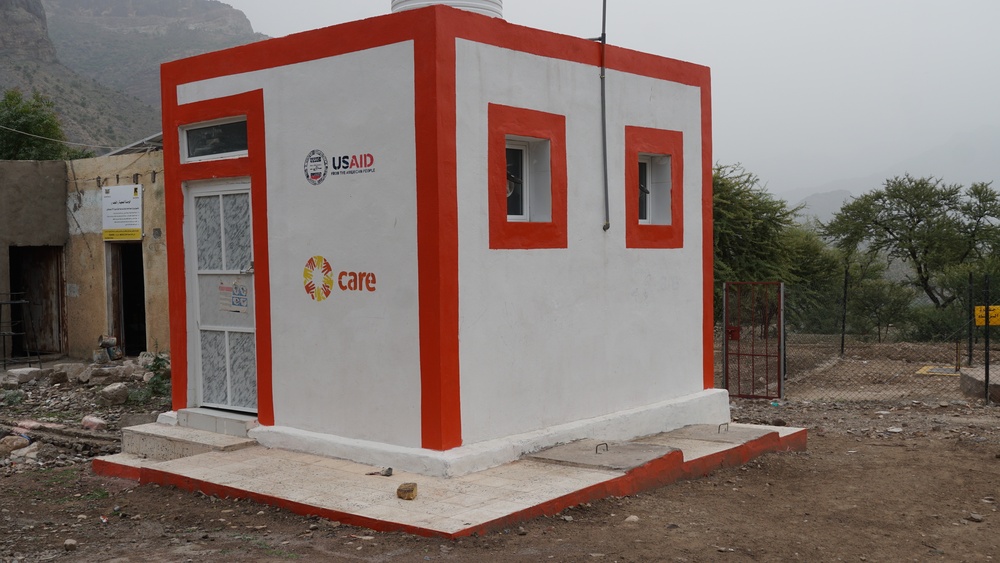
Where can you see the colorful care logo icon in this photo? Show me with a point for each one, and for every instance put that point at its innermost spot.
(318, 278)
(316, 167)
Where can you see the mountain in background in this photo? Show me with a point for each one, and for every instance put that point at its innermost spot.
(121, 43)
(964, 159)
(99, 60)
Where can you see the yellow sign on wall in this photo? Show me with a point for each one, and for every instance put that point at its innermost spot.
(122, 212)
(994, 315)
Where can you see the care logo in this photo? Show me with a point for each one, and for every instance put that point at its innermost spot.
(316, 167)
(318, 279)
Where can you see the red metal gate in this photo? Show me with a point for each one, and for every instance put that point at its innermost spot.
(753, 348)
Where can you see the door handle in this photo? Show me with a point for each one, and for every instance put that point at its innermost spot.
(249, 270)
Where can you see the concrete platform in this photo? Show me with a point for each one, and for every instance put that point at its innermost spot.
(542, 483)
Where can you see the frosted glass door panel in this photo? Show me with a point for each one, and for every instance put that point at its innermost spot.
(224, 286)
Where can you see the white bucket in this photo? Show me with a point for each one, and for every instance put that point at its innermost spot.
(492, 8)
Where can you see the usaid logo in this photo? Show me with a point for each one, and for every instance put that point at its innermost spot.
(353, 164)
(316, 167)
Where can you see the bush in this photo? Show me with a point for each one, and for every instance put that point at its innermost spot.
(931, 324)
(11, 398)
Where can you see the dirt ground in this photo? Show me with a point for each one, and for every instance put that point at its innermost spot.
(880, 482)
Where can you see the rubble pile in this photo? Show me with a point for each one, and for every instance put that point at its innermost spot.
(70, 412)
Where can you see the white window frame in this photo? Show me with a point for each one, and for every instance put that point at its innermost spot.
(648, 161)
(659, 183)
(525, 149)
(536, 186)
(186, 129)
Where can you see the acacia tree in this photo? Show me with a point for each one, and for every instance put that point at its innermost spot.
(29, 128)
(878, 304)
(924, 222)
(750, 225)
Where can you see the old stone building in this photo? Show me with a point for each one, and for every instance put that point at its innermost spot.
(82, 279)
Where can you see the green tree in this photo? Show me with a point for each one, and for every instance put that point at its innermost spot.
(30, 129)
(750, 224)
(924, 222)
(814, 281)
(876, 305)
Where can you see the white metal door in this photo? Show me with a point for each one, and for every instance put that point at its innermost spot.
(221, 296)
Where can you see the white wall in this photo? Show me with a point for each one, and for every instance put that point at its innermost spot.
(553, 336)
(349, 365)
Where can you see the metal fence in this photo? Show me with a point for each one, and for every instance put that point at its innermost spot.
(892, 363)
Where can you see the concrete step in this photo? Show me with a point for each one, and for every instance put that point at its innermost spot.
(163, 442)
(220, 422)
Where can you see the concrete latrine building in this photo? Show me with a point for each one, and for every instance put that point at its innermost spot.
(392, 241)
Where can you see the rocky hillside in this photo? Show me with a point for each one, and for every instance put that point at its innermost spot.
(122, 43)
(98, 60)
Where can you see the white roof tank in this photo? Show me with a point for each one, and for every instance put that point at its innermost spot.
(493, 8)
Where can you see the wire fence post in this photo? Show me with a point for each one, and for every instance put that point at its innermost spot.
(971, 320)
(843, 308)
(986, 337)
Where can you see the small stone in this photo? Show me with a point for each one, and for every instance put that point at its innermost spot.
(894, 430)
(147, 377)
(778, 422)
(521, 531)
(114, 394)
(24, 375)
(567, 518)
(975, 517)
(632, 518)
(94, 423)
(58, 377)
(407, 491)
(9, 444)
(69, 545)
(29, 452)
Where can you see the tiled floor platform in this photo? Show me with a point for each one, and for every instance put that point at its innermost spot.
(543, 483)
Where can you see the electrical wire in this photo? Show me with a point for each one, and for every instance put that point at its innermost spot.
(57, 140)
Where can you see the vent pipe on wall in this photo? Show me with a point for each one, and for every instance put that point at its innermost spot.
(492, 8)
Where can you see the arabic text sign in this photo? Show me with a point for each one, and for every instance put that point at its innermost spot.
(994, 315)
(121, 207)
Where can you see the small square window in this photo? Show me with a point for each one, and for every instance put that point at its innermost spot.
(526, 178)
(517, 181)
(224, 139)
(653, 188)
(529, 179)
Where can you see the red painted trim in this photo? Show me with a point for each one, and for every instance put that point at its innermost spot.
(504, 234)
(173, 200)
(254, 166)
(107, 468)
(643, 140)
(437, 236)
(707, 236)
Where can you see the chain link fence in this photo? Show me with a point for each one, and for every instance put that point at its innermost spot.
(928, 355)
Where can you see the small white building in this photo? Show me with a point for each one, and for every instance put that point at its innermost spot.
(392, 241)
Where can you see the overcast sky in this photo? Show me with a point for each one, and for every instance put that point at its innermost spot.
(804, 91)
